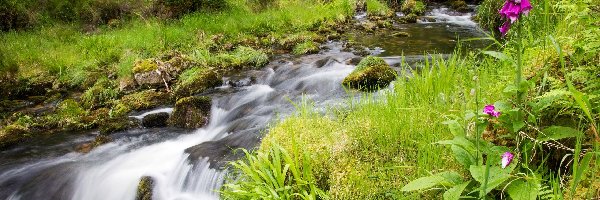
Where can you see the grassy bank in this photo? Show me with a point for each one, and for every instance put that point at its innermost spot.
(90, 75)
(432, 124)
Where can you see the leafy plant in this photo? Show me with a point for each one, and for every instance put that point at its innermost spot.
(276, 174)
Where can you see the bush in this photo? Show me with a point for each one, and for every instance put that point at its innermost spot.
(13, 15)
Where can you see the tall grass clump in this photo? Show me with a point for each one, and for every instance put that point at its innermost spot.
(276, 174)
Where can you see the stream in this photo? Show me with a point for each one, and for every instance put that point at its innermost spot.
(186, 164)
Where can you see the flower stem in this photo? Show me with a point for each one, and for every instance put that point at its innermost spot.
(519, 71)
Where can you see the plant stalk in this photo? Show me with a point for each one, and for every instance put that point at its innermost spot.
(519, 71)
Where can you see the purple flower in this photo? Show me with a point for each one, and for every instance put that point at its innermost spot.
(512, 10)
(504, 28)
(506, 159)
(491, 110)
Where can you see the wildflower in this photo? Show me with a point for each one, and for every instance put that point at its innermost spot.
(512, 10)
(506, 159)
(491, 110)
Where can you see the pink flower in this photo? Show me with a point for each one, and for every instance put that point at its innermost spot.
(491, 110)
(506, 159)
(512, 10)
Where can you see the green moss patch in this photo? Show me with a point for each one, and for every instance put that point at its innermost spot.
(307, 47)
(372, 73)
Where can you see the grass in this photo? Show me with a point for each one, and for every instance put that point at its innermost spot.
(62, 51)
(372, 148)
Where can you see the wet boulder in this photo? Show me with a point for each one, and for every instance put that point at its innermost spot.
(222, 151)
(372, 73)
(459, 5)
(145, 188)
(155, 120)
(191, 112)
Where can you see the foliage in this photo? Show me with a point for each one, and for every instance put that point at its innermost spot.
(376, 8)
(276, 174)
(100, 94)
(413, 7)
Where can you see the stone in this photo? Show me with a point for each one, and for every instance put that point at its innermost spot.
(191, 112)
(222, 151)
(372, 73)
(155, 120)
(127, 85)
(145, 188)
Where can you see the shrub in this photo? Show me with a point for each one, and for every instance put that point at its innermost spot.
(13, 15)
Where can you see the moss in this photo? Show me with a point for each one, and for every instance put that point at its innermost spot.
(371, 74)
(144, 189)
(12, 134)
(114, 125)
(197, 80)
(307, 47)
(139, 101)
(410, 18)
(69, 115)
(100, 94)
(145, 66)
(191, 112)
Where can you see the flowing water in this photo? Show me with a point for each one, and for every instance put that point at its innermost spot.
(187, 164)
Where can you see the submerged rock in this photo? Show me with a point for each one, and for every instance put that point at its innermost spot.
(400, 34)
(371, 74)
(145, 188)
(99, 140)
(191, 112)
(155, 120)
(220, 152)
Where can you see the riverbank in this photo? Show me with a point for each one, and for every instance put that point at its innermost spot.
(58, 78)
(422, 138)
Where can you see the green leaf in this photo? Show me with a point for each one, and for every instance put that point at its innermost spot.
(455, 192)
(463, 156)
(557, 133)
(510, 90)
(517, 125)
(498, 55)
(496, 177)
(523, 190)
(455, 128)
(444, 178)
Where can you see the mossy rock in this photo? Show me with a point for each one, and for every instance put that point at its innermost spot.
(139, 101)
(459, 5)
(114, 125)
(371, 74)
(12, 134)
(307, 47)
(69, 115)
(100, 94)
(145, 65)
(191, 112)
(240, 59)
(410, 18)
(155, 120)
(145, 188)
(197, 80)
(400, 34)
